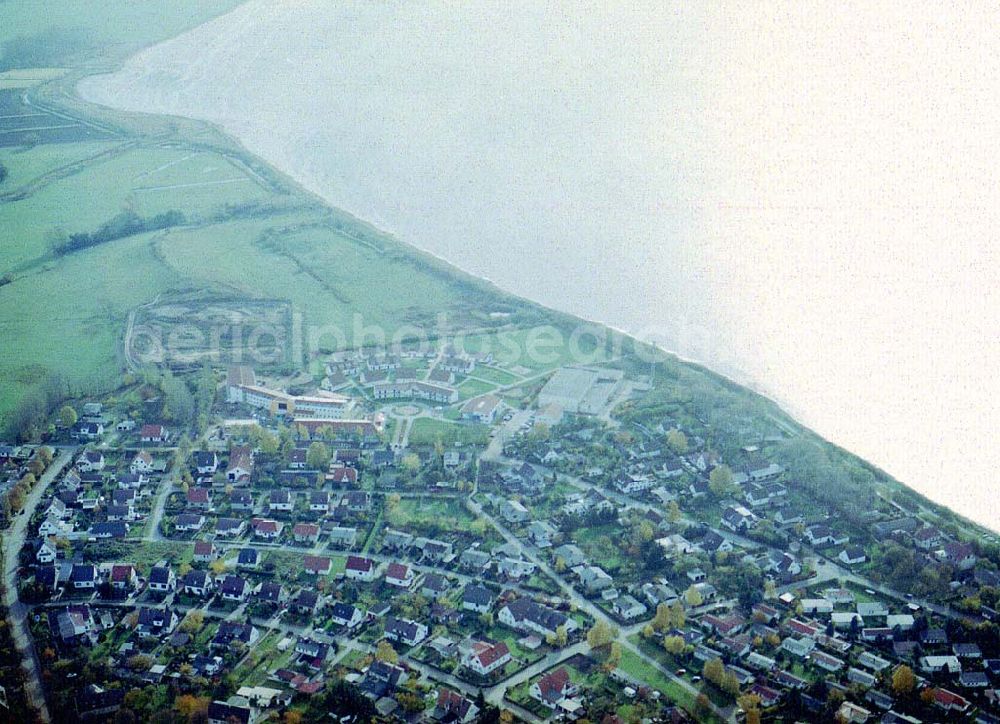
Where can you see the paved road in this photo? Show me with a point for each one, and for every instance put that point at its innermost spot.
(583, 604)
(13, 540)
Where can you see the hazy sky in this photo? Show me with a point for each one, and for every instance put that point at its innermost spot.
(805, 194)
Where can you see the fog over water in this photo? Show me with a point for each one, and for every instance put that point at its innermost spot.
(804, 198)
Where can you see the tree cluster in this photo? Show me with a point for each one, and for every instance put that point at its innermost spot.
(124, 225)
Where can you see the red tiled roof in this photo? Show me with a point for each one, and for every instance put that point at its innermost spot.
(121, 573)
(262, 525)
(344, 475)
(552, 685)
(317, 563)
(197, 495)
(397, 571)
(357, 563)
(491, 653)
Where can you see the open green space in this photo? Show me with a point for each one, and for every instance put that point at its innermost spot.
(429, 430)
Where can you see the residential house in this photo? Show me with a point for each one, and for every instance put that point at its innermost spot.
(266, 529)
(206, 462)
(153, 433)
(628, 608)
(189, 522)
(204, 551)
(513, 511)
(220, 712)
(399, 575)
(852, 555)
(360, 569)
(248, 558)
(142, 462)
(241, 464)
(307, 533)
(477, 598)
(241, 500)
(234, 588)
(83, 576)
(343, 537)
(346, 615)
(161, 579)
(934, 664)
(305, 602)
(542, 533)
(738, 519)
(230, 527)
(527, 615)
(453, 707)
(124, 578)
(199, 498)
(197, 583)
(404, 631)
(434, 586)
(485, 657)
(593, 578)
(280, 501)
(552, 688)
(317, 565)
(319, 502)
(156, 622)
(515, 568)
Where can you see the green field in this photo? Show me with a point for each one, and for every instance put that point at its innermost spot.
(61, 32)
(427, 430)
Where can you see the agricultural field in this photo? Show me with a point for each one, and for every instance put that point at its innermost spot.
(61, 32)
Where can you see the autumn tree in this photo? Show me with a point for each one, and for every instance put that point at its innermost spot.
(713, 671)
(318, 456)
(677, 441)
(600, 635)
(663, 619)
(720, 481)
(693, 596)
(614, 657)
(385, 652)
(673, 512)
(191, 707)
(193, 622)
(68, 416)
(674, 645)
(903, 681)
(677, 616)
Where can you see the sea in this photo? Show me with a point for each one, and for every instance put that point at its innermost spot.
(802, 196)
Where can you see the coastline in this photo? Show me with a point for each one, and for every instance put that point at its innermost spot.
(313, 184)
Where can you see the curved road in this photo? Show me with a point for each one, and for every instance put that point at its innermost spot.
(13, 540)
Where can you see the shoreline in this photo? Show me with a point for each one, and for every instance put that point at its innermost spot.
(312, 185)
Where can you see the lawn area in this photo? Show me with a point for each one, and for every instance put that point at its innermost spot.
(474, 388)
(430, 511)
(493, 374)
(427, 430)
(640, 669)
(600, 545)
(522, 655)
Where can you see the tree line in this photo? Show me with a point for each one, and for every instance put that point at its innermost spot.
(124, 225)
